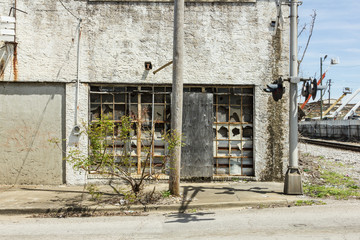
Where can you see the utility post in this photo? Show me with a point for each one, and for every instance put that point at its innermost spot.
(329, 91)
(293, 183)
(321, 95)
(177, 94)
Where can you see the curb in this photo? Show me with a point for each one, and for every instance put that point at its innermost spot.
(149, 208)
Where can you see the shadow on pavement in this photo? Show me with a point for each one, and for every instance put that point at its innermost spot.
(188, 217)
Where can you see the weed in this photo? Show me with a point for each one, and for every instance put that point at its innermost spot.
(321, 191)
(194, 210)
(96, 195)
(165, 193)
(308, 203)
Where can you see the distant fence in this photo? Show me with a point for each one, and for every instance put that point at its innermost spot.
(342, 130)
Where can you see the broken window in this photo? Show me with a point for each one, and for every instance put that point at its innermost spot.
(149, 108)
(233, 111)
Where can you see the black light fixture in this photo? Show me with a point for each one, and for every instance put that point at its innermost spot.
(148, 66)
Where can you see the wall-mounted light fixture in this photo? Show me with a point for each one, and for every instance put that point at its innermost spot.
(148, 66)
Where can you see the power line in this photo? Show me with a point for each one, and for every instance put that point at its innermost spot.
(68, 10)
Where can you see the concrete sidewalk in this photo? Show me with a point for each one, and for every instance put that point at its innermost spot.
(41, 199)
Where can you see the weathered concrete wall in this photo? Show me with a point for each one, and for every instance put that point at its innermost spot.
(5, 6)
(31, 115)
(225, 43)
(74, 176)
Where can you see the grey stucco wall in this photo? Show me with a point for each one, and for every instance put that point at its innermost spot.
(225, 43)
(30, 116)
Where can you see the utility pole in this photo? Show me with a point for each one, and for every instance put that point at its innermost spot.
(321, 95)
(293, 183)
(177, 95)
(329, 90)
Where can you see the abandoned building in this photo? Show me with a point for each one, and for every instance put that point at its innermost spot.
(69, 62)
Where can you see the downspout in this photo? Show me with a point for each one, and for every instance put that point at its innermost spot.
(77, 127)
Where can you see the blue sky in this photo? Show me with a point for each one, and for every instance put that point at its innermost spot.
(336, 34)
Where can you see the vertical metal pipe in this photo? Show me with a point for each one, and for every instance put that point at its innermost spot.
(293, 183)
(152, 130)
(321, 92)
(293, 138)
(77, 73)
(177, 94)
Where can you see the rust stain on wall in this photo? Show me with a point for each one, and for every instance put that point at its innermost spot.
(2, 69)
(15, 63)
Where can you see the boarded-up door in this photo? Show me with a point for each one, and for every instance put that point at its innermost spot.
(31, 115)
(197, 154)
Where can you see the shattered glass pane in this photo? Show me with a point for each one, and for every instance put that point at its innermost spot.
(248, 132)
(223, 114)
(235, 166)
(235, 114)
(235, 144)
(95, 111)
(223, 132)
(235, 133)
(107, 110)
(247, 144)
(235, 153)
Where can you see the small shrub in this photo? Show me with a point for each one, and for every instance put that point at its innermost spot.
(165, 194)
(93, 190)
